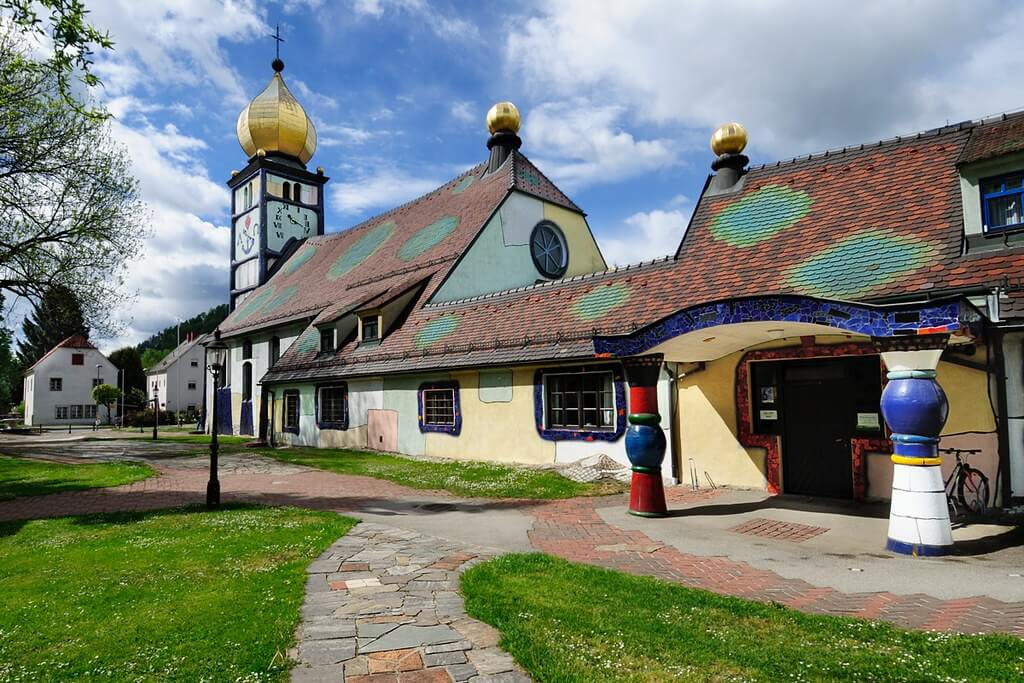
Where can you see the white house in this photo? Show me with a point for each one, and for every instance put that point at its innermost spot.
(178, 378)
(58, 388)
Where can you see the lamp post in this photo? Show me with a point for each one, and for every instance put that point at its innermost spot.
(218, 353)
(156, 409)
(95, 421)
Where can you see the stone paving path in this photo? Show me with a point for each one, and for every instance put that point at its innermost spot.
(382, 606)
(571, 529)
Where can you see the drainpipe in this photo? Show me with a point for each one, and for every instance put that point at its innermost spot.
(1002, 419)
(673, 411)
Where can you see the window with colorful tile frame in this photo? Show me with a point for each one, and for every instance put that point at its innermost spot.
(332, 406)
(575, 380)
(440, 410)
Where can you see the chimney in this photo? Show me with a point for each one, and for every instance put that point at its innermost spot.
(503, 124)
(727, 143)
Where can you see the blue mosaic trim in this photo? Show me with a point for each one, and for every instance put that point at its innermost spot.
(570, 434)
(917, 549)
(873, 321)
(453, 429)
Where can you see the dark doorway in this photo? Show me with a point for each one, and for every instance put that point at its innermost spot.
(824, 404)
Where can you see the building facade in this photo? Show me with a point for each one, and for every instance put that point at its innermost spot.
(480, 321)
(178, 379)
(58, 388)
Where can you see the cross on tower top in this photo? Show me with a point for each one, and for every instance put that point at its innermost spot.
(276, 35)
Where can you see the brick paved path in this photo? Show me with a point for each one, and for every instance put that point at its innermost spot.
(571, 529)
(382, 606)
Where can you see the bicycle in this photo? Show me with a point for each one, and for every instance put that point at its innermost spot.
(968, 483)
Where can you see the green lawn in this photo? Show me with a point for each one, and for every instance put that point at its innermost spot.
(178, 437)
(177, 595)
(470, 479)
(25, 477)
(570, 622)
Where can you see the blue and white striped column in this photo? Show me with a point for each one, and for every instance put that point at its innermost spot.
(915, 409)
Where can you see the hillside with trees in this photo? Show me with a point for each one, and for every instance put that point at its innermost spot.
(153, 350)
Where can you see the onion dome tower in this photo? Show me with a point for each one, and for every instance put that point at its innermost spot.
(276, 123)
(275, 202)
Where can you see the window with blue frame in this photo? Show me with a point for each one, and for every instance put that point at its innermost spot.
(1001, 199)
(439, 409)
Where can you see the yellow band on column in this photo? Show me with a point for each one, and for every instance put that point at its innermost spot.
(919, 462)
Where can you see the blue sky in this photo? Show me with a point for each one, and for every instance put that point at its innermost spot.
(618, 101)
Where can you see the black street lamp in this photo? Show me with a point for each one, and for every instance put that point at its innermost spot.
(156, 409)
(217, 352)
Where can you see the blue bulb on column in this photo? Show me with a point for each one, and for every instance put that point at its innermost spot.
(645, 445)
(915, 406)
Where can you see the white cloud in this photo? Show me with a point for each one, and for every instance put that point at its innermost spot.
(464, 112)
(801, 75)
(313, 100)
(333, 135)
(579, 143)
(442, 23)
(651, 235)
(159, 44)
(183, 266)
(382, 188)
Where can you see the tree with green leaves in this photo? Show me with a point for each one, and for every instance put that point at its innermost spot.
(151, 357)
(129, 362)
(106, 395)
(57, 316)
(74, 40)
(10, 372)
(70, 213)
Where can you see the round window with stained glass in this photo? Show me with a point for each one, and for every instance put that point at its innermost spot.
(549, 250)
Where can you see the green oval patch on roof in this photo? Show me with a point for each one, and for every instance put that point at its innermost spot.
(428, 237)
(366, 247)
(252, 304)
(436, 330)
(461, 186)
(600, 301)
(280, 300)
(759, 215)
(308, 341)
(298, 259)
(859, 263)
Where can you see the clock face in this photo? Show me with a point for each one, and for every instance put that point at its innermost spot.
(288, 221)
(247, 234)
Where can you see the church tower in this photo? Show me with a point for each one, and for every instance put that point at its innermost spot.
(275, 202)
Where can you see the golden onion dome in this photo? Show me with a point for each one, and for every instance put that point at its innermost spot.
(275, 122)
(503, 116)
(730, 138)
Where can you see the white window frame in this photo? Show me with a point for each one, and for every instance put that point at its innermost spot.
(440, 390)
(58, 411)
(60, 383)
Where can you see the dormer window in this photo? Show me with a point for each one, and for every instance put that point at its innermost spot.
(1001, 199)
(327, 340)
(369, 325)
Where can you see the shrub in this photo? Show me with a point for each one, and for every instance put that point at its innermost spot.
(144, 418)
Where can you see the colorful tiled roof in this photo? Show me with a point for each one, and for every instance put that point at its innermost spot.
(870, 224)
(993, 138)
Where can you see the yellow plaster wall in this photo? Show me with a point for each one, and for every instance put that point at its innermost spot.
(499, 432)
(969, 408)
(584, 254)
(707, 427)
(353, 437)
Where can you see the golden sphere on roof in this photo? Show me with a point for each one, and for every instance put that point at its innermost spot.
(503, 116)
(730, 138)
(275, 122)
